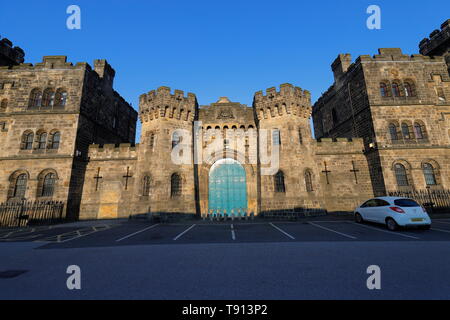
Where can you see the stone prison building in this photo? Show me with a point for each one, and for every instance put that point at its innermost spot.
(66, 135)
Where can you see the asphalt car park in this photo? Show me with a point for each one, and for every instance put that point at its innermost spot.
(126, 233)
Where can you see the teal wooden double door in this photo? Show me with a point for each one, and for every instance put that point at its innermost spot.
(227, 188)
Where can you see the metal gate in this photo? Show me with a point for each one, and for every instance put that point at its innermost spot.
(227, 188)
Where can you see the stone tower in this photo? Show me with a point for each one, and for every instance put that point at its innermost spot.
(165, 152)
(283, 120)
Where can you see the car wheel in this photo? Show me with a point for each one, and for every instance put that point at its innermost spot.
(391, 224)
(358, 218)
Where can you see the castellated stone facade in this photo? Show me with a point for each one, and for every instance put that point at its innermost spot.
(327, 174)
(66, 135)
(50, 113)
(400, 105)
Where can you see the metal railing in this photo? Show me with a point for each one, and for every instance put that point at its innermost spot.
(432, 200)
(24, 213)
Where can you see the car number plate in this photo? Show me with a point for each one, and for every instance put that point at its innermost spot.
(417, 220)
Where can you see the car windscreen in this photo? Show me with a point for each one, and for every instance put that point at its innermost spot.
(406, 203)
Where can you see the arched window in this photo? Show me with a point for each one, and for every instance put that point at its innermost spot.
(393, 132)
(175, 185)
(279, 182)
(308, 181)
(429, 174)
(146, 186)
(300, 136)
(276, 137)
(384, 90)
(401, 175)
(60, 98)
(405, 131)
(419, 131)
(48, 98)
(410, 90)
(20, 186)
(42, 140)
(176, 139)
(396, 89)
(35, 98)
(48, 185)
(55, 140)
(335, 117)
(3, 105)
(27, 141)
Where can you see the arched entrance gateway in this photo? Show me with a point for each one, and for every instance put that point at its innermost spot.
(227, 188)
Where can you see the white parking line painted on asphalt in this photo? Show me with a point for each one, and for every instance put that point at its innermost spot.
(441, 221)
(440, 230)
(282, 231)
(184, 232)
(136, 233)
(331, 230)
(386, 231)
(233, 234)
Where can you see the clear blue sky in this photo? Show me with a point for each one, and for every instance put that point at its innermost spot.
(216, 48)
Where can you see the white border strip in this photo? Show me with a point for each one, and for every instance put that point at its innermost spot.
(385, 231)
(282, 231)
(138, 232)
(331, 230)
(184, 232)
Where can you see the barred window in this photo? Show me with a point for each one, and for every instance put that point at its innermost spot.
(55, 140)
(401, 175)
(48, 187)
(146, 186)
(20, 186)
(42, 141)
(384, 91)
(410, 89)
(279, 182)
(35, 98)
(60, 98)
(405, 131)
(396, 89)
(48, 98)
(276, 137)
(308, 181)
(175, 185)
(430, 176)
(151, 140)
(27, 141)
(393, 132)
(419, 131)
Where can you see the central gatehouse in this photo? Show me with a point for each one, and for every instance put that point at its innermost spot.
(290, 171)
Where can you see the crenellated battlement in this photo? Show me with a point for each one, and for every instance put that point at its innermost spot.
(50, 62)
(340, 145)
(10, 55)
(438, 43)
(288, 100)
(113, 151)
(396, 54)
(161, 103)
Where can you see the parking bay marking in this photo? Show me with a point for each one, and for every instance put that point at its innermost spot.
(385, 231)
(331, 230)
(184, 232)
(282, 231)
(233, 234)
(440, 230)
(137, 232)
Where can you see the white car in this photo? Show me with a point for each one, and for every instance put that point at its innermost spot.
(394, 212)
